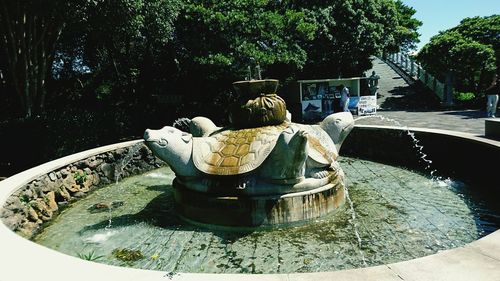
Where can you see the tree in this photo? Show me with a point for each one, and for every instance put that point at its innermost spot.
(485, 30)
(29, 32)
(406, 34)
(348, 34)
(468, 52)
(221, 39)
(120, 44)
(219, 42)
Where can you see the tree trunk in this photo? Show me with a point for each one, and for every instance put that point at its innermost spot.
(29, 36)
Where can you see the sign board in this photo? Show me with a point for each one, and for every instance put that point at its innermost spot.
(367, 105)
(312, 110)
(320, 98)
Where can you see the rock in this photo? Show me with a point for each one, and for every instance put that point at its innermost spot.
(52, 176)
(119, 152)
(73, 188)
(13, 221)
(28, 229)
(28, 193)
(87, 184)
(51, 185)
(87, 171)
(5, 213)
(65, 172)
(68, 181)
(50, 199)
(80, 164)
(32, 215)
(97, 179)
(14, 199)
(62, 204)
(14, 204)
(63, 194)
(79, 194)
(42, 210)
(93, 162)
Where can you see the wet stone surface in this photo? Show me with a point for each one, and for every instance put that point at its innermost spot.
(400, 215)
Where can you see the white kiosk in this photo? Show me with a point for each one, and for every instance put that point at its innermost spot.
(321, 97)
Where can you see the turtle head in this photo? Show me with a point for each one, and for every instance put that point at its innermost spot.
(202, 126)
(170, 145)
(338, 126)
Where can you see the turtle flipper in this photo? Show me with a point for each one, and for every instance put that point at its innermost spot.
(298, 152)
(288, 158)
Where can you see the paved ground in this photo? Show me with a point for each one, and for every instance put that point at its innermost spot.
(414, 106)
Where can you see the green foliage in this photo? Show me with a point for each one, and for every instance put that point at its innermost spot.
(464, 96)
(120, 42)
(80, 177)
(124, 52)
(91, 256)
(24, 199)
(406, 35)
(231, 35)
(469, 52)
(348, 34)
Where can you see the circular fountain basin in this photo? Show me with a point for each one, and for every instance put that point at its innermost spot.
(478, 260)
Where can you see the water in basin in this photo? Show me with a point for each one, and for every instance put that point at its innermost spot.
(400, 215)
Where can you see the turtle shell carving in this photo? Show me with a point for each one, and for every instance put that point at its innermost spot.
(233, 152)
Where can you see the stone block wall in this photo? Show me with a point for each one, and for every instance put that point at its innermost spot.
(40, 200)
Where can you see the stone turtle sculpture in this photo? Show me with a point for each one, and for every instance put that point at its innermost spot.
(262, 170)
(277, 159)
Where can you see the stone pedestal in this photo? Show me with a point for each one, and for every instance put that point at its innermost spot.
(257, 211)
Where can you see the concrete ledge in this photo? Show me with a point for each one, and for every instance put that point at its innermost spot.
(21, 259)
(492, 128)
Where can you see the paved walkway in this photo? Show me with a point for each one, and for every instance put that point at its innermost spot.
(414, 106)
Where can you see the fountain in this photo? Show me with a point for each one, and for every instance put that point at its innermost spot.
(263, 170)
(398, 222)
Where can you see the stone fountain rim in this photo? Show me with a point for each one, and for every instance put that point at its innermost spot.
(478, 260)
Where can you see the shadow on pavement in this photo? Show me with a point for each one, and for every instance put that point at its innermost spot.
(467, 114)
(410, 98)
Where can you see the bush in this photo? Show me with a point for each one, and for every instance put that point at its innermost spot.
(464, 96)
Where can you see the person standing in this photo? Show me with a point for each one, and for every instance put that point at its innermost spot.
(492, 98)
(344, 97)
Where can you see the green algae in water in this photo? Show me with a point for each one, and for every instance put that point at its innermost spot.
(401, 215)
(127, 255)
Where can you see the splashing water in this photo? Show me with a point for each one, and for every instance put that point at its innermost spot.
(416, 143)
(119, 168)
(110, 218)
(353, 222)
(419, 148)
(125, 160)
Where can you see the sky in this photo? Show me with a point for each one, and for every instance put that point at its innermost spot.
(439, 15)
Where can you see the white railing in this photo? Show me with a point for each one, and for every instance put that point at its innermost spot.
(416, 72)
